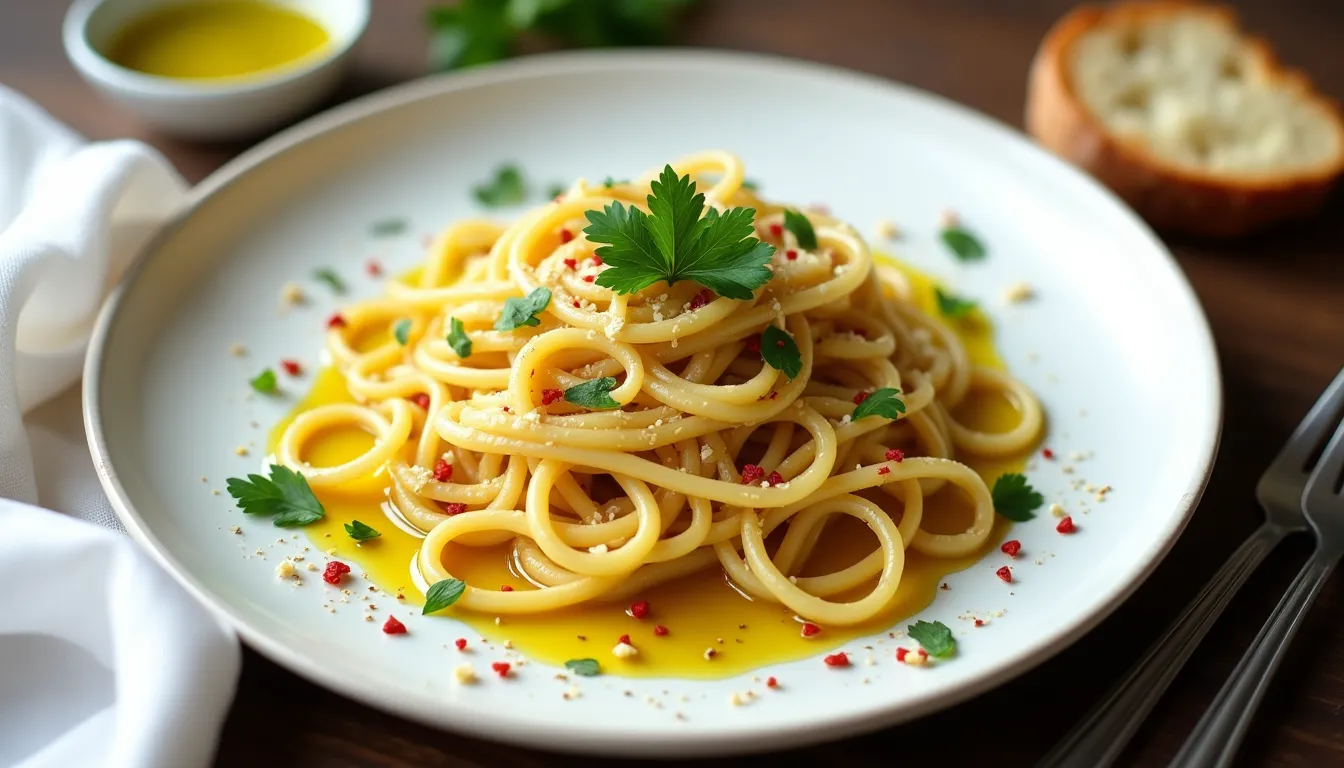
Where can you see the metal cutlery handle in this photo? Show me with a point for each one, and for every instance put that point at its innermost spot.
(1218, 734)
(1099, 738)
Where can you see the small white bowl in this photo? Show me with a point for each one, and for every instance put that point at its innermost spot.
(221, 108)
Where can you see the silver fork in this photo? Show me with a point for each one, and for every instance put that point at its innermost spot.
(1100, 737)
(1219, 733)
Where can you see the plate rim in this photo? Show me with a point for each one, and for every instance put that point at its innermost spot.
(630, 742)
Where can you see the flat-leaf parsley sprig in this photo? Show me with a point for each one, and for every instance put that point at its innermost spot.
(673, 241)
(285, 494)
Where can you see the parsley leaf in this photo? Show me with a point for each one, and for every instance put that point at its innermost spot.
(284, 494)
(555, 190)
(964, 245)
(360, 532)
(506, 188)
(951, 305)
(674, 242)
(401, 331)
(329, 276)
(264, 383)
(801, 228)
(388, 227)
(751, 185)
(594, 395)
(524, 311)
(458, 338)
(1014, 498)
(780, 352)
(882, 402)
(934, 636)
(442, 594)
(610, 182)
(584, 667)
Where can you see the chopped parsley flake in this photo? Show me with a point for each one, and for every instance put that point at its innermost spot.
(801, 228)
(1014, 498)
(594, 395)
(524, 311)
(884, 402)
(964, 245)
(389, 227)
(934, 637)
(442, 594)
(584, 667)
(507, 187)
(328, 275)
(401, 331)
(951, 305)
(265, 383)
(458, 338)
(360, 532)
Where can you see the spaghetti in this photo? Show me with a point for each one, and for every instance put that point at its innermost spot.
(603, 505)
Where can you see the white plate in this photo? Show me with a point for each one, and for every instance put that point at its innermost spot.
(1115, 330)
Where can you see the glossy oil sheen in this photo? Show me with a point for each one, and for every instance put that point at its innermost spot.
(700, 611)
(216, 39)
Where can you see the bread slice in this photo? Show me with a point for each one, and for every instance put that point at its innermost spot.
(1194, 124)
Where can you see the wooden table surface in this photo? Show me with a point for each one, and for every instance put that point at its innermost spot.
(1276, 304)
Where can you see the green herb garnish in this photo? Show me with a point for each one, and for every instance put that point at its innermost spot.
(328, 275)
(401, 331)
(284, 494)
(750, 184)
(610, 182)
(360, 532)
(584, 667)
(780, 352)
(524, 311)
(964, 245)
(594, 395)
(442, 594)
(458, 338)
(934, 637)
(884, 402)
(951, 305)
(480, 31)
(265, 383)
(555, 190)
(506, 188)
(801, 228)
(1014, 498)
(674, 242)
(388, 227)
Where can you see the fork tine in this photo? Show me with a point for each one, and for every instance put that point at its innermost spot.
(1297, 453)
(1325, 478)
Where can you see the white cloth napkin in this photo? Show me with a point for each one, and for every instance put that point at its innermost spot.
(104, 659)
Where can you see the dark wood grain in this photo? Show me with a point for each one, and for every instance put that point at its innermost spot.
(1276, 304)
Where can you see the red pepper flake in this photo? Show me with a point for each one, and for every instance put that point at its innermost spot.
(597, 260)
(754, 345)
(336, 321)
(393, 627)
(501, 668)
(638, 610)
(572, 263)
(774, 478)
(373, 267)
(1006, 574)
(752, 474)
(577, 305)
(701, 299)
(836, 660)
(505, 409)
(292, 367)
(859, 397)
(810, 629)
(660, 631)
(461, 643)
(624, 639)
(884, 470)
(1011, 547)
(589, 278)
(791, 254)
(771, 682)
(454, 507)
(1066, 525)
(901, 653)
(549, 396)
(443, 471)
(506, 588)
(895, 454)
(421, 399)
(1046, 453)
(777, 230)
(335, 570)
(923, 654)
(979, 623)
(566, 235)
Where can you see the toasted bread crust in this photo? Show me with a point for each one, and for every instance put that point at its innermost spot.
(1172, 198)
